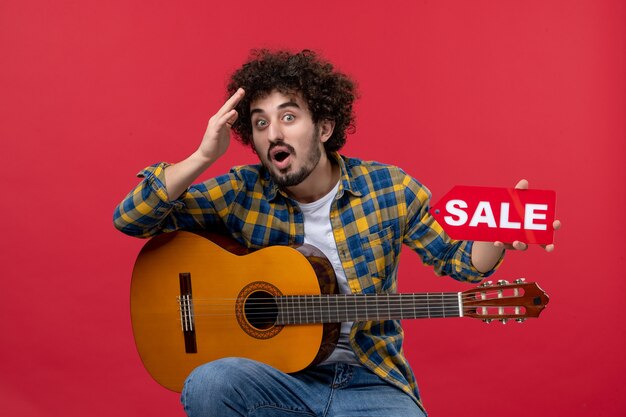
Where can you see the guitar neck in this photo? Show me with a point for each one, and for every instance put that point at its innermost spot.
(335, 308)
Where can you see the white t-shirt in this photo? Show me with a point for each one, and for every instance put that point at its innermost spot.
(319, 233)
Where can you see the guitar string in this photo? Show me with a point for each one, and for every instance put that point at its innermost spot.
(306, 304)
(361, 301)
(314, 310)
(494, 294)
(344, 307)
(338, 317)
(324, 304)
(361, 306)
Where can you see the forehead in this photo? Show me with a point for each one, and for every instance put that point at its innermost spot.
(277, 100)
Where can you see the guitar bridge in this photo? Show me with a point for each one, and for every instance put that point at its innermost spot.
(185, 304)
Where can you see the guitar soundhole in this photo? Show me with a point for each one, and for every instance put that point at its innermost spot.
(257, 310)
(261, 310)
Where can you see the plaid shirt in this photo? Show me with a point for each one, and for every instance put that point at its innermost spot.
(377, 209)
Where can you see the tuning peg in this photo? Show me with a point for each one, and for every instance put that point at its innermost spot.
(486, 284)
(487, 320)
(520, 280)
(504, 321)
(503, 282)
(520, 320)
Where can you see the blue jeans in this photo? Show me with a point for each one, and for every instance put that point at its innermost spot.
(242, 387)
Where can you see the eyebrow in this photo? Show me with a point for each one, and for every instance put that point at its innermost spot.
(281, 106)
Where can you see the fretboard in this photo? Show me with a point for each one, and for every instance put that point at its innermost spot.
(335, 308)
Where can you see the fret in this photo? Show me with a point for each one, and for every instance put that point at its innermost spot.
(443, 306)
(376, 302)
(321, 310)
(434, 310)
(299, 309)
(284, 303)
(310, 309)
(439, 306)
(279, 303)
(295, 309)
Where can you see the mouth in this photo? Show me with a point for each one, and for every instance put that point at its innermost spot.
(280, 155)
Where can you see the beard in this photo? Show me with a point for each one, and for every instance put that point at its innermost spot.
(288, 178)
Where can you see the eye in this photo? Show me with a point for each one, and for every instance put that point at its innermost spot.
(289, 117)
(260, 123)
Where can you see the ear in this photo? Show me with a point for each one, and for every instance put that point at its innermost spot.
(326, 128)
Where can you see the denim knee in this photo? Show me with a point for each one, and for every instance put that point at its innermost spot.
(218, 375)
(214, 385)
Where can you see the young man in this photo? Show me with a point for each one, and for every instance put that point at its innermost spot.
(294, 110)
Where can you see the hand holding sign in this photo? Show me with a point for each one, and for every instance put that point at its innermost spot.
(556, 225)
(516, 216)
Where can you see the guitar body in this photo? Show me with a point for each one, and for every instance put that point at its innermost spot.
(217, 280)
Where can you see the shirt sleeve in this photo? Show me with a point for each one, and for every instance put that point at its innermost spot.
(426, 237)
(147, 210)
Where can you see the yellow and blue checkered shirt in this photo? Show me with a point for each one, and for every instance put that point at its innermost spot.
(377, 208)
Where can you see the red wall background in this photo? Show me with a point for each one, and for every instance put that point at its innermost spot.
(456, 92)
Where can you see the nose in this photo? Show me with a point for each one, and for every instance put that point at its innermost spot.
(275, 132)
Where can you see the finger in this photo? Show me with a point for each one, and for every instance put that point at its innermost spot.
(522, 185)
(549, 248)
(503, 245)
(228, 119)
(231, 102)
(556, 224)
(517, 245)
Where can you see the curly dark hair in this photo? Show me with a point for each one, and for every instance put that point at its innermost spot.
(329, 94)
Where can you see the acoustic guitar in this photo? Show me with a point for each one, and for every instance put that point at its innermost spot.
(196, 298)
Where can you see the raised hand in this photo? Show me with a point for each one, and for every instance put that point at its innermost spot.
(214, 144)
(217, 135)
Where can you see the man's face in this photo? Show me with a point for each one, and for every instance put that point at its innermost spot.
(287, 141)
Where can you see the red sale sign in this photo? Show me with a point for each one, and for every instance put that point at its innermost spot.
(497, 214)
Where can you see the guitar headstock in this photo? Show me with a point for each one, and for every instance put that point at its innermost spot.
(504, 301)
